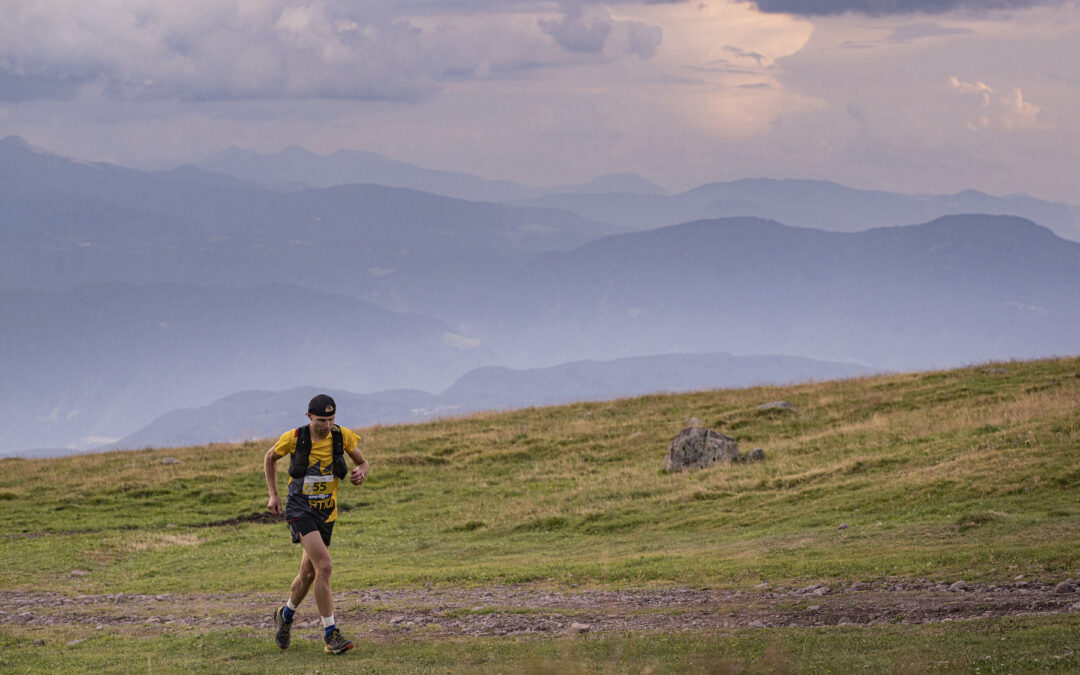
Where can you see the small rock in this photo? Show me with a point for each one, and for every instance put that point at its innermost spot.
(579, 627)
(813, 608)
(1065, 587)
(101, 626)
(782, 405)
(958, 586)
(843, 526)
(170, 460)
(844, 621)
(79, 573)
(822, 590)
(757, 624)
(763, 585)
(397, 619)
(163, 596)
(860, 586)
(39, 642)
(74, 642)
(756, 455)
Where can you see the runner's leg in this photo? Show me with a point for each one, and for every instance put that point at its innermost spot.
(318, 557)
(302, 583)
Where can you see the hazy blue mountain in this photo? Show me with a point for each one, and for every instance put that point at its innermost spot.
(67, 222)
(296, 167)
(612, 183)
(469, 284)
(806, 203)
(956, 290)
(264, 414)
(251, 415)
(630, 201)
(500, 388)
(97, 362)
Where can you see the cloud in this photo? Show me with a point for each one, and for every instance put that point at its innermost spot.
(207, 49)
(924, 30)
(1008, 112)
(980, 89)
(757, 57)
(594, 31)
(884, 7)
(642, 39)
(575, 33)
(377, 50)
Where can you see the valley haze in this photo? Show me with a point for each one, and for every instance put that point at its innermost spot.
(138, 302)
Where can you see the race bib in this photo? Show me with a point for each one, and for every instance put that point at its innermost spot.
(318, 487)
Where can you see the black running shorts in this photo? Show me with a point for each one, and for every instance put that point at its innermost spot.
(305, 524)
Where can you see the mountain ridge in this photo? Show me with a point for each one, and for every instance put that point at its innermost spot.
(260, 414)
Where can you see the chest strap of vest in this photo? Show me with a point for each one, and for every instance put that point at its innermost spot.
(298, 465)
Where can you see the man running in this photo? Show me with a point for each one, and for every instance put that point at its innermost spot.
(317, 463)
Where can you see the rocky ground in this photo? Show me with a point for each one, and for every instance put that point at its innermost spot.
(515, 610)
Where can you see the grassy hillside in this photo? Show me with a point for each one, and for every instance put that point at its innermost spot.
(971, 473)
(968, 474)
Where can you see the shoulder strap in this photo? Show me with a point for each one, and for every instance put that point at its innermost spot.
(299, 463)
(340, 469)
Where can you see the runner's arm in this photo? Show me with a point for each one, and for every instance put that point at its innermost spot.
(270, 469)
(359, 472)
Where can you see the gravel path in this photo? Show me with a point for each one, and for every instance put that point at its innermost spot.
(515, 610)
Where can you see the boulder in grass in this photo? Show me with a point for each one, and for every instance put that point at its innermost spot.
(697, 448)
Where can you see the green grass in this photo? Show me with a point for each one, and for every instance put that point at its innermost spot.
(1013, 645)
(958, 474)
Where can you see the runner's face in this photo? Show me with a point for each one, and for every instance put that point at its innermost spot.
(320, 426)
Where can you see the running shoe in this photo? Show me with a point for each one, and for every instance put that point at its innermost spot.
(283, 634)
(336, 644)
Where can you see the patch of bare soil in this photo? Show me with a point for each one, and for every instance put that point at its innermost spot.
(516, 610)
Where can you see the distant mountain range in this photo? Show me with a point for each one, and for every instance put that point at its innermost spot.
(956, 290)
(88, 365)
(130, 294)
(295, 168)
(264, 414)
(806, 203)
(67, 222)
(630, 201)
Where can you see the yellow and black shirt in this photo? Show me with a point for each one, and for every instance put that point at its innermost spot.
(315, 494)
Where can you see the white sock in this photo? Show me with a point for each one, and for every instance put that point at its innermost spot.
(328, 621)
(288, 603)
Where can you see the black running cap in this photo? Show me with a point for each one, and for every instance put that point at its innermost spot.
(322, 406)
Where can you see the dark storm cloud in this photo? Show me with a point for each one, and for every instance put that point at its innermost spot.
(883, 7)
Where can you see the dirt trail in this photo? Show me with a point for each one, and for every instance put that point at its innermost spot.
(514, 610)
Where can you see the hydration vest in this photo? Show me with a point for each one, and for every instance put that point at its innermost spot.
(298, 465)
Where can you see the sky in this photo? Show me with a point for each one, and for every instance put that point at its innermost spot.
(910, 96)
